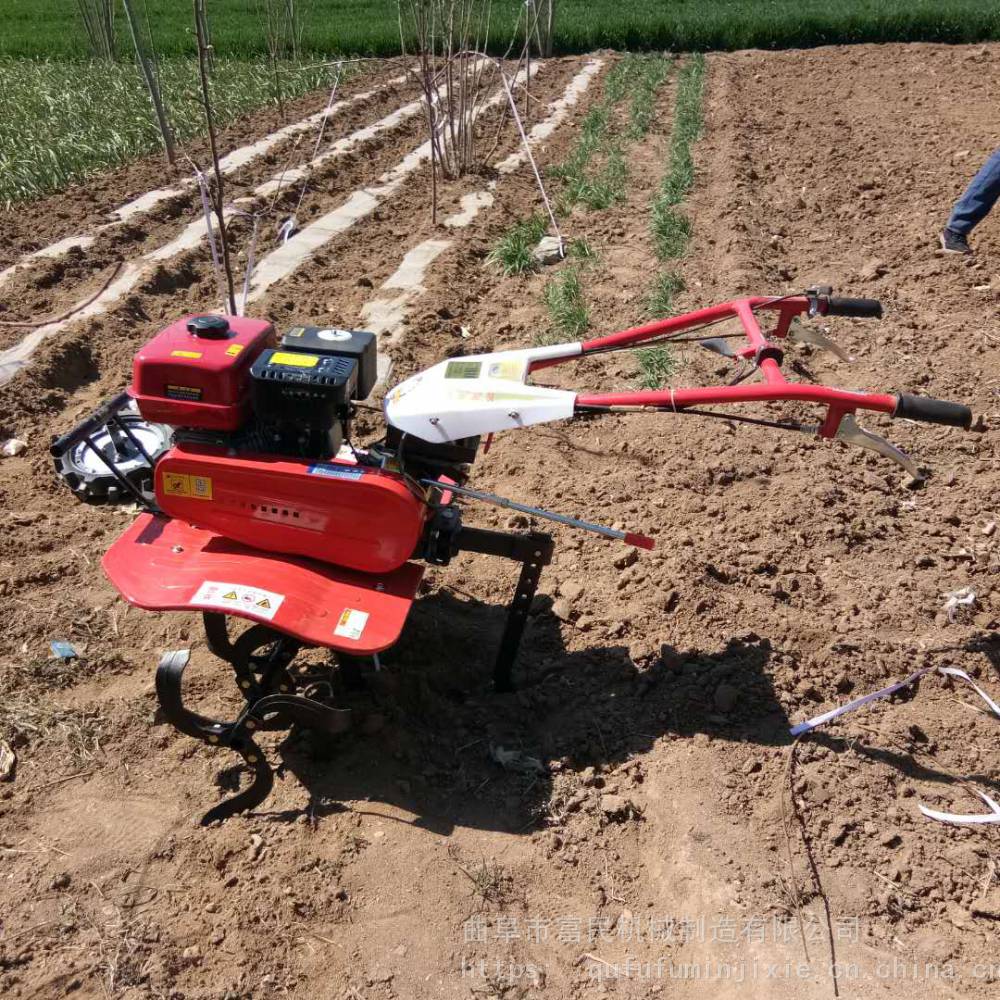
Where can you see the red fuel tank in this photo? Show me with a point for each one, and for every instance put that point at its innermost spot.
(195, 373)
(336, 512)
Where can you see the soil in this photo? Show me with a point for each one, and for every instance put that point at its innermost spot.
(656, 690)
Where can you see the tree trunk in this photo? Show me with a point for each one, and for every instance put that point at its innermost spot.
(151, 84)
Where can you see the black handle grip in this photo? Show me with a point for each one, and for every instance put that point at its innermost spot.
(91, 425)
(932, 411)
(861, 308)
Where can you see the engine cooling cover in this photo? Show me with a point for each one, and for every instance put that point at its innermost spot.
(349, 515)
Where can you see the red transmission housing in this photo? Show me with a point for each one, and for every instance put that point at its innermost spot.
(195, 373)
(334, 511)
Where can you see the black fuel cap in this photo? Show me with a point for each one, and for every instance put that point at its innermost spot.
(209, 327)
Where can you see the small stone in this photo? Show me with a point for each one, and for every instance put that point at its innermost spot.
(12, 447)
(571, 590)
(958, 917)
(839, 829)
(989, 528)
(192, 954)
(585, 623)
(256, 846)
(576, 800)
(8, 762)
(60, 881)
(212, 907)
(618, 806)
(873, 269)
(891, 838)
(549, 250)
(629, 559)
(988, 906)
(562, 609)
(752, 766)
(806, 689)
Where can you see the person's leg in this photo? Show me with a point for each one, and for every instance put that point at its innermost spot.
(979, 197)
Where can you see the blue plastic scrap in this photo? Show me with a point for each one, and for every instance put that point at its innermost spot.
(63, 650)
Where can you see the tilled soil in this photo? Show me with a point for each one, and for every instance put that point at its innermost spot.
(656, 852)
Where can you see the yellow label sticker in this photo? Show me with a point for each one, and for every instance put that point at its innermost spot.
(295, 360)
(296, 331)
(185, 354)
(201, 487)
(176, 485)
(190, 393)
(234, 349)
(511, 369)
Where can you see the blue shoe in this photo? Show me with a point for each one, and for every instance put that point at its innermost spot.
(952, 242)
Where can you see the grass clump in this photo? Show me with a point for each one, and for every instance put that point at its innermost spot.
(514, 251)
(652, 71)
(671, 232)
(596, 172)
(656, 365)
(568, 313)
(671, 229)
(661, 296)
(28, 718)
(580, 249)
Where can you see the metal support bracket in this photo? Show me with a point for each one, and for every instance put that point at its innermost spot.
(534, 551)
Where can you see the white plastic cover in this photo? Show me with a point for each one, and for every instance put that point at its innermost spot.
(479, 394)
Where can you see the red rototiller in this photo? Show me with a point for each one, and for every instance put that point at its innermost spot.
(258, 505)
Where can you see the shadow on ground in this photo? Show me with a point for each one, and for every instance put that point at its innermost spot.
(430, 729)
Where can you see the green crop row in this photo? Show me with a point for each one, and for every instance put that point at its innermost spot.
(62, 121)
(50, 28)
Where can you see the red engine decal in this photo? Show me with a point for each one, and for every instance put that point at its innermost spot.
(348, 515)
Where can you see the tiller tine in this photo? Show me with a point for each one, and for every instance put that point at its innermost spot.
(717, 345)
(851, 432)
(278, 710)
(801, 334)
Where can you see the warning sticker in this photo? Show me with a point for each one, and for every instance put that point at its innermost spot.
(352, 623)
(234, 349)
(295, 360)
(189, 392)
(296, 331)
(235, 597)
(335, 471)
(185, 354)
(177, 484)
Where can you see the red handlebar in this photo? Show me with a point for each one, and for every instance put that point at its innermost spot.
(766, 355)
